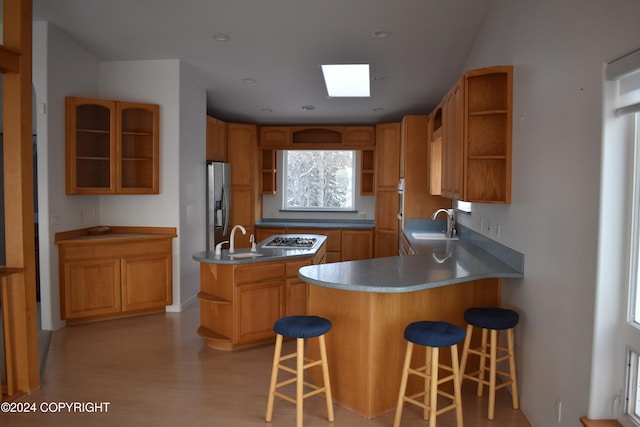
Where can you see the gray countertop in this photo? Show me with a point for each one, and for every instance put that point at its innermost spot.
(436, 263)
(260, 255)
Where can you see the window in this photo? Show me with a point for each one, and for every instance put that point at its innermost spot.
(626, 73)
(632, 327)
(321, 180)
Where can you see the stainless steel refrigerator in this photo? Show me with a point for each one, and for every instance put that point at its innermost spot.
(218, 203)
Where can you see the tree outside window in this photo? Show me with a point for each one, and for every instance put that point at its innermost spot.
(319, 179)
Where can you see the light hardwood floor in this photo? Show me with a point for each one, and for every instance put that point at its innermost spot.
(156, 371)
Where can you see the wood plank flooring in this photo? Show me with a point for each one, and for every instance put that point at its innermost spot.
(155, 370)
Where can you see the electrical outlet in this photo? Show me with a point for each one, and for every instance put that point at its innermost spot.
(55, 219)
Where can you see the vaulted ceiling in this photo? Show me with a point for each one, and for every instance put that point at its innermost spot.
(269, 68)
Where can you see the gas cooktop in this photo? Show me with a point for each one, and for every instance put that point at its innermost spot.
(288, 241)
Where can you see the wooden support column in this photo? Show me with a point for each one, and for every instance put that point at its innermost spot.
(18, 194)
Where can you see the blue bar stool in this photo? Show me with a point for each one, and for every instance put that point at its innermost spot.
(300, 328)
(491, 319)
(432, 335)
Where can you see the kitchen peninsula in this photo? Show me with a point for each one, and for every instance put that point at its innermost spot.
(370, 302)
(244, 292)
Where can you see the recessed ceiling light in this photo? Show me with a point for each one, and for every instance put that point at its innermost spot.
(221, 37)
(347, 80)
(249, 80)
(308, 107)
(381, 34)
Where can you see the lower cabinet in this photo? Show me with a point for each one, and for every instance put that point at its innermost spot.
(115, 275)
(91, 288)
(239, 303)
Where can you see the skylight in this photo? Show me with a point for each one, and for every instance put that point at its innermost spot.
(347, 80)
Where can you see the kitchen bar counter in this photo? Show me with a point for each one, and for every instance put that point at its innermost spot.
(370, 302)
(241, 298)
(437, 263)
(261, 254)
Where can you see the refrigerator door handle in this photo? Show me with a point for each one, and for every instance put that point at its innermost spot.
(225, 213)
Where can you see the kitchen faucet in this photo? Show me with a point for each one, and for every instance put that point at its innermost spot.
(232, 239)
(451, 221)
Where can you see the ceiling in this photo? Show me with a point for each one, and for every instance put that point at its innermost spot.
(280, 45)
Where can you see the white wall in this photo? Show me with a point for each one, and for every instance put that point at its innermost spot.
(60, 68)
(193, 127)
(156, 82)
(558, 49)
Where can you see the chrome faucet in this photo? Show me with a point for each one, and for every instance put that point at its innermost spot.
(451, 221)
(232, 239)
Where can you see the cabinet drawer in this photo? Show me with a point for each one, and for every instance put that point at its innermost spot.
(79, 252)
(260, 272)
(293, 267)
(137, 248)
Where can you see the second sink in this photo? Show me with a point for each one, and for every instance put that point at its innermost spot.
(433, 235)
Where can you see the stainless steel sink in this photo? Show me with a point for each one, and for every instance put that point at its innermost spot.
(432, 235)
(245, 255)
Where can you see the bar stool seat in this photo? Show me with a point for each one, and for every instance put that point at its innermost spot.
(491, 319)
(300, 328)
(433, 336)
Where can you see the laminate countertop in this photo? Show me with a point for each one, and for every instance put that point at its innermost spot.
(436, 263)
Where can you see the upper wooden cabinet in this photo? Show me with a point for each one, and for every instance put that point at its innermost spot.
(112, 147)
(453, 142)
(487, 137)
(414, 166)
(317, 137)
(216, 140)
(275, 136)
(246, 200)
(476, 137)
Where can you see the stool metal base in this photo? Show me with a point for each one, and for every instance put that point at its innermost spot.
(298, 379)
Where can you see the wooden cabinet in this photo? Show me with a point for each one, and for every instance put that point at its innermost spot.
(123, 273)
(91, 288)
(387, 199)
(452, 142)
(216, 140)
(239, 303)
(367, 172)
(317, 137)
(487, 135)
(112, 147)
(246, 200)
(268, 183)
(414, 161)
(405, 246)
(476, 137)
(358, 136)
(357, 244)
(434, 138)
(275, 136)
